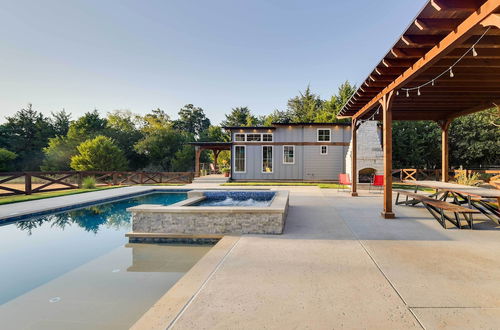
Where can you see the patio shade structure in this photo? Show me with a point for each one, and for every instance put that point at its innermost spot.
(445, 65)
(216, 148)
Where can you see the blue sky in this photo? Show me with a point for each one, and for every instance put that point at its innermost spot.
(140, 55)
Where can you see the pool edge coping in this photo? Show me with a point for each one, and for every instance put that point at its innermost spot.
(166, 310)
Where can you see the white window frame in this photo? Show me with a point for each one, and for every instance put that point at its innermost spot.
(324, 129)
(293, 150)
(321, 150)
(259, 134)
(272, 137)
(245, 159)
(262, 159)
(244, 137)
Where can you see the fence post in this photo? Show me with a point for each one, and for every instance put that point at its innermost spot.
(27, 184)
(115, 178)
(141, 177)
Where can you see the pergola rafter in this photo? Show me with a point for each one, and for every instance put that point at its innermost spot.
(445, 65)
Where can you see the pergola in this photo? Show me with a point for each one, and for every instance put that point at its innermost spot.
(445, 65)
(216, 148)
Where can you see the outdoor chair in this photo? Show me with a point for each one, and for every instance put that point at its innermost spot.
(344, 181)
(377, 181)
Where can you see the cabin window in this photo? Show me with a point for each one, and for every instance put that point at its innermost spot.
(239, 159)
(267, 137)
(288, 154)
(324, 150)
(239, 137)
(254, 137)
(267, 159)
(324, 135)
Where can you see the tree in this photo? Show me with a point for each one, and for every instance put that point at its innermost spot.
(416, 144)
(60, 122)
(99, 154)
(331, 108)
(183, 160)
(26, 133)
(123, 128)
(277, 116)
(304, 107)
(58, 154)
(88, 126)
(214, 134)
(192, 119)
(6, 158)
(160, 146)
(475, 140)
(240, 116)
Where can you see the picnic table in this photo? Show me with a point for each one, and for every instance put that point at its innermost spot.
(478, 198)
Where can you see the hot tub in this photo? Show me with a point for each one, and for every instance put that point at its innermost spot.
(208, 212)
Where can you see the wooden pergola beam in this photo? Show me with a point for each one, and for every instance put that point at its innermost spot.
(446, 45)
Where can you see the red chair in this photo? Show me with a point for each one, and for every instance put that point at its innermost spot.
(344, 180)
(378, 181)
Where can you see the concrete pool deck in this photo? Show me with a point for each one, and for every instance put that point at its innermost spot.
(337, 265)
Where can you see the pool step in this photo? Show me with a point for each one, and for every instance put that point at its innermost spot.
(207, 179)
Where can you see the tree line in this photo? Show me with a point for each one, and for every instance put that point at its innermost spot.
(122, 140)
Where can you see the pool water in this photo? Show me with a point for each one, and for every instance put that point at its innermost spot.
(75, 269)
(237, 198)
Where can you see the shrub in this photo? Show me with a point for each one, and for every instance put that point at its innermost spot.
(6, 158)
(88, 182)
(225, 170)
(469, 180)
(99, 154)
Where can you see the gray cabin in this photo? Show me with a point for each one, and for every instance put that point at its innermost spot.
(289, 152)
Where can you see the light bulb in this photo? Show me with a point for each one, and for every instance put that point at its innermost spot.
(407, 93)
(474, 53)
(397, 92)
(451, 73)
(418, 91)
(432, 82)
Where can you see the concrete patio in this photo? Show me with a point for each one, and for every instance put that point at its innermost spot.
(339, 265)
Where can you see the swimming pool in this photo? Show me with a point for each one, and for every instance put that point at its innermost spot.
(74, 268)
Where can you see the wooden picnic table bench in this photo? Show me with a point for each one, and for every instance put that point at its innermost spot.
(438, 207)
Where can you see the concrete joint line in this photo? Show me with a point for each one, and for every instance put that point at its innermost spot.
(376, 265)
(184, 308)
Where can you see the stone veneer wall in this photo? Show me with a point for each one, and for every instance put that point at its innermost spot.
(369, 151)
(209, 223)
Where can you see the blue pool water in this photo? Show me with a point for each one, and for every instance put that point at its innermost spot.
(40, 254)
(237, 198)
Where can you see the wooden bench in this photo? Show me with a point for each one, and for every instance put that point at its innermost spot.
(438, 207)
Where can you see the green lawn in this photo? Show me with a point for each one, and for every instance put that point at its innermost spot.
(50, 194)
(321, 185)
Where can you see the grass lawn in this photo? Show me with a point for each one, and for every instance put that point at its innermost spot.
(49, 194)
(321, 185)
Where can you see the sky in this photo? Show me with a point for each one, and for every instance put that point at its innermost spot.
(82, 55)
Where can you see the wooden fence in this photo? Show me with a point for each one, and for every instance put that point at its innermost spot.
(22, 183)
(424, 174)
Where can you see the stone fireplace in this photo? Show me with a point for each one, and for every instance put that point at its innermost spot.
(369, 153)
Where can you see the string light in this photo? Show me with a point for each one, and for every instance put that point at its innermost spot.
(450, 69)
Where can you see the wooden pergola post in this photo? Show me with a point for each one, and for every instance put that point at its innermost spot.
(354, 159)
(445, 124)
(386, 103)
(197, 150)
